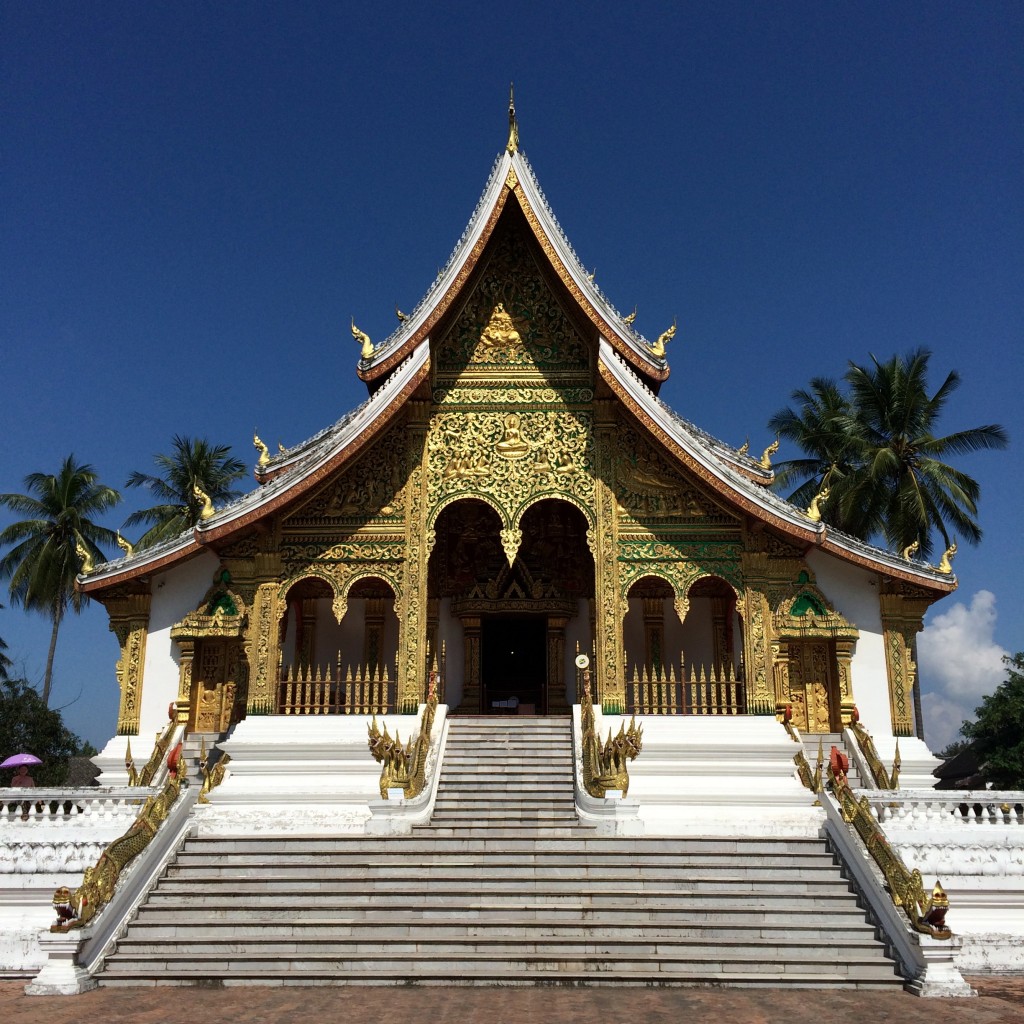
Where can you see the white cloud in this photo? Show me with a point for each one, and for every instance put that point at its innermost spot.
(959, 662)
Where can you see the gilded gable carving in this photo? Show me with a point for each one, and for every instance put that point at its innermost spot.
(512, 320)
(371, 490)
(648, 488)
(510, 460)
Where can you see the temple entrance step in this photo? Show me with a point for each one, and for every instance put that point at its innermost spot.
(192, 748)
(828, 740)
(502, 887)
(574, 909)
(505, 774)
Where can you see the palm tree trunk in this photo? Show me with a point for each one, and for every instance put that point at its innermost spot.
(58, 614)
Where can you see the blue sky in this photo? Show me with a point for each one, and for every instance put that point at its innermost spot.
(197, 197)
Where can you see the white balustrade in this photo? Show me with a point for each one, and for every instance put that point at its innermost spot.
(945, 809)
(42, 809)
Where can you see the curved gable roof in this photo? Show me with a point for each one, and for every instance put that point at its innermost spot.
(401, 363)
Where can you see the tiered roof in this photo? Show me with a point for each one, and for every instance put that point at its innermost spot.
(627, 363)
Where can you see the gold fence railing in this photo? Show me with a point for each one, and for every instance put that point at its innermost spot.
(701, 692)
(317, 690)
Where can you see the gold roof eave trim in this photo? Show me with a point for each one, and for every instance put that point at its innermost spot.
(513, 176)
(750, 497)
(333, 450)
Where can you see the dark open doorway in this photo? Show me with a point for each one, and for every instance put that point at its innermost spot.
(514, 663)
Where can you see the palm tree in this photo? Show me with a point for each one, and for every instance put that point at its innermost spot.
(903, 489)
(885, 465)
(5, 662)
(44, 561)
(823, 426)
(193, 462)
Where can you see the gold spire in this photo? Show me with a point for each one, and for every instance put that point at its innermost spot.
(513, 127)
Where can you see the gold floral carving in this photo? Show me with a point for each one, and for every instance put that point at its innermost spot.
(510, 460)
(372, 489)
(649, 488)
(500, 391)
(261, 648)
(611, 605)
(512, 318)
(129, 622)
(412, 667)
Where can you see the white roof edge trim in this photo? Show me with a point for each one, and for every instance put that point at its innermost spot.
(736, 481)
(766, 499)
(574, 265)
(459, 254)
(137, 560)
(382, 399)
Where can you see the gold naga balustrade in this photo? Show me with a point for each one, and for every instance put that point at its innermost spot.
(317, 690)
(148, 773)
(660, 691)
(404, 766)
(213, 775)
(76, 909)
(883, 779)
(926, 913)
(605, 765)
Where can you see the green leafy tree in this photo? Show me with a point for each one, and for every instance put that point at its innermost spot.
(878, 449)
(43, 560)
(998, 733)
(194, 462)
(27, 725)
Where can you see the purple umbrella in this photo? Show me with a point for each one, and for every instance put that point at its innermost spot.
(17, 760)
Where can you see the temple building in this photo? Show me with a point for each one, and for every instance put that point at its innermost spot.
(373, 696)
(511, 493)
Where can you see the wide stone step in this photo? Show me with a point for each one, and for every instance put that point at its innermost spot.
(649, 959)
(513, 945)
(581, 844)
(424, 856)
(326, 882)
(456, 976)
(512, 815)
(456, 897)
(269, 925)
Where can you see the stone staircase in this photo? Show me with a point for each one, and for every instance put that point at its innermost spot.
(192, 748)
(829, 740)
(502, 888)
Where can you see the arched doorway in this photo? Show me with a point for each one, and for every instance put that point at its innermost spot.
(510, 631)
(331, 666)
(688, 666)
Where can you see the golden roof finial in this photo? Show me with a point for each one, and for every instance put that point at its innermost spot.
(513, 127)
(766, 455)
(814, 510)
(85, 555)
(658, 348)
(910, 550)
(264, 459)
(946, 565)
(744, 448)
(124, 545)
(628, 320)
(366, 352)
(200, 495)
(402, 317)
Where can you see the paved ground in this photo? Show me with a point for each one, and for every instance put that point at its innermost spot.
(1001, 1000)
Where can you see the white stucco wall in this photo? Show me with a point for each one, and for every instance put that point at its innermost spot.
(175, 593)
(854, 594)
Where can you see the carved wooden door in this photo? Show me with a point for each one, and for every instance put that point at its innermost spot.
(214, 685)
(812, 685)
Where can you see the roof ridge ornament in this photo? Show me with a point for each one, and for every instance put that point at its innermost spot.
(513, 126)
